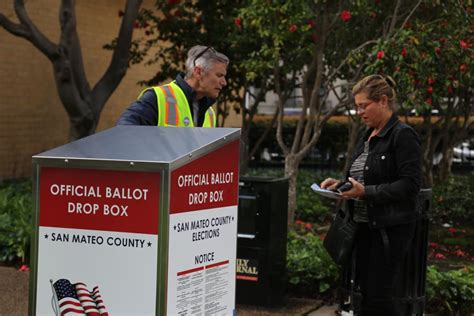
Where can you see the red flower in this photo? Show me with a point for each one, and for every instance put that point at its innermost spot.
(433, 244)
(472, 259)
(429, 101)
(450, 89)
(121, 13)
(292, 28)
(345, 15)
(460, 253)
(438, 51)
(307, 225)
(24, 268)
(463, 44)
(404, 52)
(322, 236)
(373, 15)
(431, 81)
(380, 54)
(452, 230)
(173, 2)
(238, 21)
(298, 222)
(463, 67)
(136, 25)
(311, 23)
(440, 256)
(430, 90)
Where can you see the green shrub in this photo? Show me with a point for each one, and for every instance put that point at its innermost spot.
(453, 200)
(309, 206)
(15, 220)
(311, 271)
(451, 292)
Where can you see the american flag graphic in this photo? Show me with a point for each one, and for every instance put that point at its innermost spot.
(75, 299)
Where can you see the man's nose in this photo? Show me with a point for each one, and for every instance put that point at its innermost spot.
(224, 82)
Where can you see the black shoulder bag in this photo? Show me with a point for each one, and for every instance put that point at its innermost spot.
(340, 237)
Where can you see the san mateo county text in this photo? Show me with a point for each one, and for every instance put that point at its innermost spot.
(98, 240)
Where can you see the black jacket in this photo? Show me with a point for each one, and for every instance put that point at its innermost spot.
(144, 111)
(392, 174)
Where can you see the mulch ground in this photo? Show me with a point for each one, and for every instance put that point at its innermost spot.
(14, 298)
(13, 292)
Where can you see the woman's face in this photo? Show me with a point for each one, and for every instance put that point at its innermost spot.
(373, 113)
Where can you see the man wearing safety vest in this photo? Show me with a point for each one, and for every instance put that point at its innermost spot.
(186, 101)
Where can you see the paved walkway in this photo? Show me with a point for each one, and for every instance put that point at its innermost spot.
(325, 311)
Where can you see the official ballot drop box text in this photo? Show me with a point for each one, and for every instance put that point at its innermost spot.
(137, 220)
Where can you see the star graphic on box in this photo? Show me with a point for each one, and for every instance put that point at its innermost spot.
(75, 299)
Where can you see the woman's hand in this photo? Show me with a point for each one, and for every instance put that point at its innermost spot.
(329, 184)
(357, 191)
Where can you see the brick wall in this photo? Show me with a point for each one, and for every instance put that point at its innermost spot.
(32, 118)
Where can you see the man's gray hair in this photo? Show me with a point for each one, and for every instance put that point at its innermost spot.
(203, 56)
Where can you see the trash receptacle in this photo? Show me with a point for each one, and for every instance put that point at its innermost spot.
(261, 241)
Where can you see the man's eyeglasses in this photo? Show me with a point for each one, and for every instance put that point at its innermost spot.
(202, 53)
(361, 107)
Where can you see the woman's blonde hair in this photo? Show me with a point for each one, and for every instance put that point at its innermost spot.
(377, 86)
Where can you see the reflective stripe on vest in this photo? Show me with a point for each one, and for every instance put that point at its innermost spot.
(173, 107)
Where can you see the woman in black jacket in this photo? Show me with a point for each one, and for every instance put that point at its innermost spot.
(385, 174)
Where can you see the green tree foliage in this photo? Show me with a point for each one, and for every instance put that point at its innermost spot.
(305, 45)
(431, 59)
(309, 45)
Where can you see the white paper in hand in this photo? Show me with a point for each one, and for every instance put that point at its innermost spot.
(327, 193)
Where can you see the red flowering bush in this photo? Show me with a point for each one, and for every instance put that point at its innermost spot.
(238, 21)
(345, 15)
(404, 52)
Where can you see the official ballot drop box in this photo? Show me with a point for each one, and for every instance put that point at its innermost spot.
(137, 220)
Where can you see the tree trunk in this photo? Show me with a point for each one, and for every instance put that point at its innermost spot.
(427, 154)
(355, 127)
(291, 171)
(444, 167)
(82, 104)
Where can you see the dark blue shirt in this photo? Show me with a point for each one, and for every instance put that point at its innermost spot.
(144, 111)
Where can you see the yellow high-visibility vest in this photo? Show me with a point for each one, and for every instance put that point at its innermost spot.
(173, 107)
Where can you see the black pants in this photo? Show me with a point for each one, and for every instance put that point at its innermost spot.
(377, 267)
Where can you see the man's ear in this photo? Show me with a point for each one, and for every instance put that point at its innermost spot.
(197, 72)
